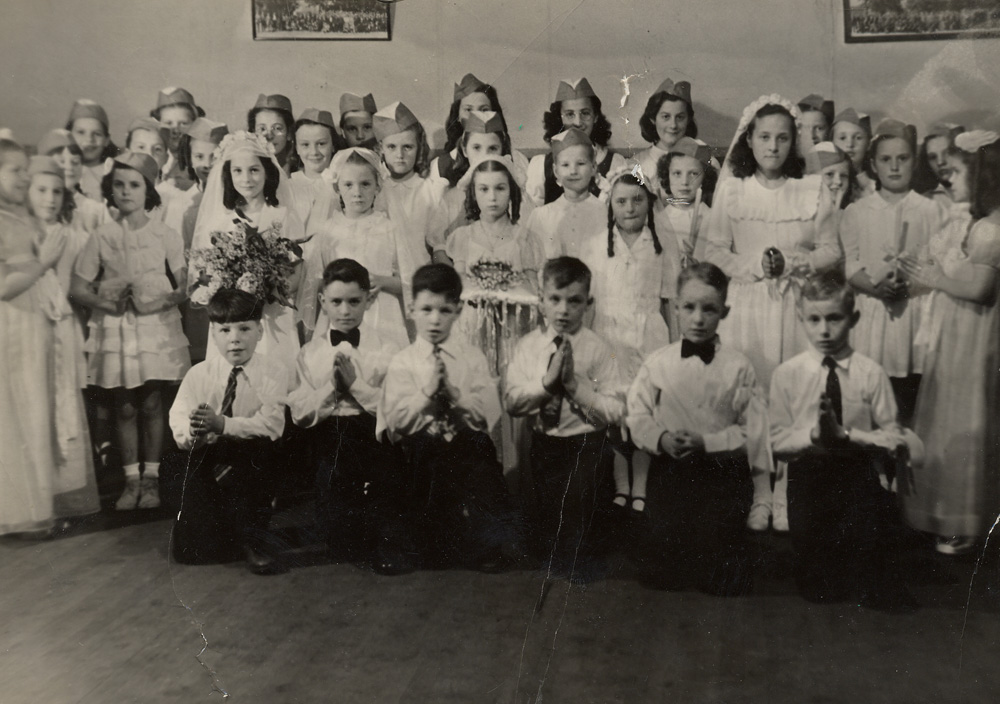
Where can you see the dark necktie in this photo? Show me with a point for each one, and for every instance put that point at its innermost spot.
(352, 336)
(833, 389)
(551, 410)
(703, 350)
(230, 395)
(442, 425)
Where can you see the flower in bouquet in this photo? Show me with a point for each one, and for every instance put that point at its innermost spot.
(493, 275)
(246, 259)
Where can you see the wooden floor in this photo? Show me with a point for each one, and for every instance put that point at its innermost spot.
(100, 616)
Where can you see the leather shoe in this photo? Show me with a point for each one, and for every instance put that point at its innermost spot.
(261, 563)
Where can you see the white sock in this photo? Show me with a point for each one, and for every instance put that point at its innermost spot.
(150, 470)
(132, 471)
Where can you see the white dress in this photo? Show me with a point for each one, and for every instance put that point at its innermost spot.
(371, 241)
(315, 200)
(871, 232)
(685, 226)
(747, 219)
(281, 338)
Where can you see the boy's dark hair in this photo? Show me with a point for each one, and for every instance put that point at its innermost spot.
(647, 123)
(708, 181)
(827, 286)
(232, 199)
(107, 192)
(707, 273)
(984, 181)
(440, 279)
(348, 271)
(230, 305)
(563, 271)
(453, 125)
(742, 158)
(472, 211)
(599, 135)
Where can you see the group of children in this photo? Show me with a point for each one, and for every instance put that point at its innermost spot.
(692, 372)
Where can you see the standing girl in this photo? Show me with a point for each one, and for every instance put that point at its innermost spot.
(365, 235)
(669, 115)
(408, 196)
(633, 278)
(767, 232)
(88, 123)
(576, 105)
(175, 108)
(955, 492)
(136, 341)
(26, 361)
(60, 145)
(52, 203)
(687, 181)
(248, 189)
(852, 133)
(875, 232)
(271, 119)
(316, 141)
(929, 171)
(356, 116)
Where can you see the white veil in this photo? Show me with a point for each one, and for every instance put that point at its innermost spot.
(749, 112)
(212, 214)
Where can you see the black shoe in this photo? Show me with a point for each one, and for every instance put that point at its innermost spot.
(261, 563)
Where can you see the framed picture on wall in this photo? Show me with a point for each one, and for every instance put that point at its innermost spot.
(320, 19)
(913, 20)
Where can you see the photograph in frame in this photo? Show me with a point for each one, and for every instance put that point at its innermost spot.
(320, 20)
(918, 20)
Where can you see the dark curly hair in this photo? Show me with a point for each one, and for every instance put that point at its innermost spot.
(743, 162)
(647, 123)
(599, 135)
(453, 125)
(460, 164)
(489, 166)
(107, 192)
(708, 181)
(631, 180)
(232, 199)
(984, 181)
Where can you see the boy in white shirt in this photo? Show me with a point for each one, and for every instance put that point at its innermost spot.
(439, 403)
(565, 375)
(697, 408)
(833, 417)
(227, 416)
(339, 381)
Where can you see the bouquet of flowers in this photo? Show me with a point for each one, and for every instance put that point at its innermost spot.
(493, 275)
(246, 259)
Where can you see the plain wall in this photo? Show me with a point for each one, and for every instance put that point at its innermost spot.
(121, 52)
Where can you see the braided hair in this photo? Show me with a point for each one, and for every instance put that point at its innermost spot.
(631, 180)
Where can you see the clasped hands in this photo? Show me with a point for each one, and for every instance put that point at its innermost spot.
(204, 421)
(439, 387)
(126, 298)
(681, 443)
(560, 376)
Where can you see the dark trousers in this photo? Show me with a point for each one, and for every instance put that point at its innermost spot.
(457, 510)
(695, 527)
(223, 495)
(905, 389)
(568, 474)
(359, 484)
(841, 526)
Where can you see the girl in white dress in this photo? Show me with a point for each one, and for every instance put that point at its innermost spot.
(316, 141)
(876, 231)
(766, 232)
(247, 188)
(88, 123)
(136, 341)
(669, 116)
(52, 203)
(60, 145)
(634, 275)
(365, 235)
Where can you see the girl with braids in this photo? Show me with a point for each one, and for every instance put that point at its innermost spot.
(633, 274)
(576, 105)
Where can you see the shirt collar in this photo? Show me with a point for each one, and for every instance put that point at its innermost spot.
(549, 334)
(843, 363)
(426, 349)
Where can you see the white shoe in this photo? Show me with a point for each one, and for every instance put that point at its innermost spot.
(149, 496)
(759, 516)
(956, 545)
(779, 517)
(129, 500)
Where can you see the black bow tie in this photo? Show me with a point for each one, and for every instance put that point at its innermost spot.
(704, 350)
(353, 336)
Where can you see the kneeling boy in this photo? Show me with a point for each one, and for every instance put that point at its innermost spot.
(439, 403)
(228, 413)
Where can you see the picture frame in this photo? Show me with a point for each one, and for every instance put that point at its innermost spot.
(868, 21)
(319, 20)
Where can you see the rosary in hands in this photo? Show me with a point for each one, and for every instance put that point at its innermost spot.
(773, 263)
(204, 421)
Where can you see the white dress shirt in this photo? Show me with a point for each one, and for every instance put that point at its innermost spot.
(258, 409)
(563, 227)
(315, 399)
(721, 400)
(596, 404)
(403, 409)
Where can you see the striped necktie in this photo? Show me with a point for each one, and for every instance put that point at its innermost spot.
(230, 395)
